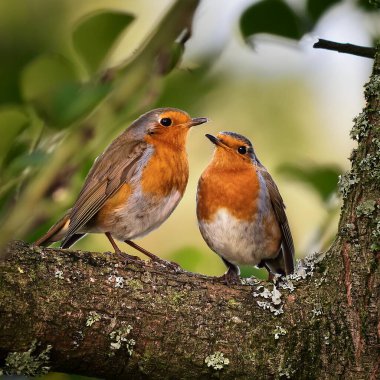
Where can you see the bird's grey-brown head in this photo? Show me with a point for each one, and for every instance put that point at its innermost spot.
(163, 123)
(235, 145)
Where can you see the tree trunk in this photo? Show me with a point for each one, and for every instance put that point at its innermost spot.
(139, 320)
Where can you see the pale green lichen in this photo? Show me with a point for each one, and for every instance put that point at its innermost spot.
(372, 88)
(376, 142)
(326, 338)
(58, 274)
(217, 361)
(349, 229)
(135, 284)
(278, 331)
(304, 268)
(177, 297)
(345, 182)
(366, 208)
(370, 165)
(236, 320)
(119, 338)
(317, 311)
(92, 318)
(361, 127)
(286, 372)
(250, 356)
(375, 246)
(232, 303)
(273, 301)
(146, 277)
(117, 280)
(28, 363)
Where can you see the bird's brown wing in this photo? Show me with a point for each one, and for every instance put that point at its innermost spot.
(111, 170)
(287, 250)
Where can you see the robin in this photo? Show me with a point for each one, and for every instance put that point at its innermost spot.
(241, 214)
(134, 185)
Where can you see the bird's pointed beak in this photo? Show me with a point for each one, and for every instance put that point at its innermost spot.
(198, 121)
(213, 139)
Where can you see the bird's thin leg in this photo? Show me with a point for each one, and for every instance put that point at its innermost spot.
(153, 257)
(232, 275)
(125, 256)
(271, 276)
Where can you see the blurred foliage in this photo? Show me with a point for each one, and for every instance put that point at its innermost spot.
(369, 5)
(322, 179)
(316, 8)
(104, 28)
(273, 17)
(283, 19)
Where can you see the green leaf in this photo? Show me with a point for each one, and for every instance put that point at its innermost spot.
(95, 35)
(34, 159)
(12, 121)
(369, 5)
(76, 100)
(45, 74)
(51, 85)
(273, 17)
(316, 8)
(322, 179)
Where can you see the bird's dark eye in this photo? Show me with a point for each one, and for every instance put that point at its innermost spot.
(166, 121)
(242, 150)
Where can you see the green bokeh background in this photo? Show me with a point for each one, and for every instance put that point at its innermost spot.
(53, 122)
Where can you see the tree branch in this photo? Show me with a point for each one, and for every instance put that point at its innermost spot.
(88, 307)
(360, 51)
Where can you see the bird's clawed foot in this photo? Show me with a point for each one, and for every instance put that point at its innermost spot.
(168, 264)
(124, 256)
(127, 258)
(231, 277)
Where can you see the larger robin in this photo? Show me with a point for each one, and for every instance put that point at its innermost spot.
(134, 185)
(241, 214)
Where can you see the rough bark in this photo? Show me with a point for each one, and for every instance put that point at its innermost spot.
(82, 303)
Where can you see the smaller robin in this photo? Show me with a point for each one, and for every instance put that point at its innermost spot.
(134, 185)
(241, 214)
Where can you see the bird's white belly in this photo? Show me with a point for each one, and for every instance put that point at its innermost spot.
(142, 214)
(239, 242)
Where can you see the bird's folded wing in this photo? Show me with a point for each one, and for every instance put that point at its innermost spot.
(104, 179)
(279, 209)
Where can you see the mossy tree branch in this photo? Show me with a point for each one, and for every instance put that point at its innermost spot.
(109, 319)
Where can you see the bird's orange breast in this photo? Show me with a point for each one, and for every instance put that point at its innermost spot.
(166, 171)
(235, 190)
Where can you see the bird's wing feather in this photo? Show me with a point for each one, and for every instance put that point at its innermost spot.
(279, 209)
(104, 179)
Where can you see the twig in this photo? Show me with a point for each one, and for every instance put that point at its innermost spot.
(360, 51)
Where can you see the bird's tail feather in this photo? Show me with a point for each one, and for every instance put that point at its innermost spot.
(56, 232)
(282, 264)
